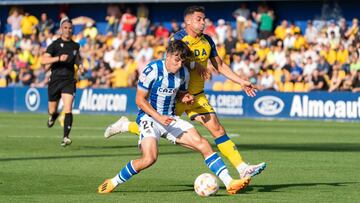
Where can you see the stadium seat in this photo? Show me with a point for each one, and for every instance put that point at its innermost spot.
(3, 82)
(218, 86)
(299, 87)
(82, 84)
(228, 86)
(288, 87)
(280, 86)
(236, 87)
(306, 87)
(277, 76)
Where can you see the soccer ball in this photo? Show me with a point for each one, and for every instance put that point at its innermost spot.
(206, 184)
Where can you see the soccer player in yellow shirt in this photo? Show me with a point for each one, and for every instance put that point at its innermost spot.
(203, 49)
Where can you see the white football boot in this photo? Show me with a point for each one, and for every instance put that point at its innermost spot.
(119, 126)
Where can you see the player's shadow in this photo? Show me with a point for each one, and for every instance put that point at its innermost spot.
(170, 188)
(115, 146)
(278, 187)
(85, 156)
(310, 147)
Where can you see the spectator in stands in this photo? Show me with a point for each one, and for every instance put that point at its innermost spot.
(335, 81)
(161, 32)
(295, 72)
(266, 82)
(230, 42)
(250, 32)
(90, 31)
(300, 41)
(14, 20)
(146, 51)
(241, 15)
(45, 24)
(112, 24)
(220, 30)
(355, 63)
(28, 25)
(210, 28)
(309, 67)
(281, 30)
(311, 33)
(174, 27)
(242, 12)
(141, 26)
(128, 21)
(346, 83)
(266, 20)
(323, 66)
(356, 82)
(353, 30)
(289, 40)
(342, 54)
(26, 76)
(342, 28)
(317, 82)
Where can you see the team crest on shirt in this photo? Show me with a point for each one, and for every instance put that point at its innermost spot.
(74, 52)
(62, 45)
(142, 78)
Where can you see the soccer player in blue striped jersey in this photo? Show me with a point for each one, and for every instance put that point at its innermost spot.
(160, 85)
(203, 50)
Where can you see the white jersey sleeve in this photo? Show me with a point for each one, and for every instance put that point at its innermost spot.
(147, 78)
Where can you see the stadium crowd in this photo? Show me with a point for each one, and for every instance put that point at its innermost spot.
(323, 56)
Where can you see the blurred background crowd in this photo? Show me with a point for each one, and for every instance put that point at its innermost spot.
(273, 54)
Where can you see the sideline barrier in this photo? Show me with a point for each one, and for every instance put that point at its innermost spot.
(312, 105)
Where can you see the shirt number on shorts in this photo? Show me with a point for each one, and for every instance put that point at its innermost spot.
(146, 124)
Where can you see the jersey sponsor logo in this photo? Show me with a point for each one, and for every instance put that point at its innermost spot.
(32, 99)
(166, 91)
(302, 106)
(198, 52)
(269, 105)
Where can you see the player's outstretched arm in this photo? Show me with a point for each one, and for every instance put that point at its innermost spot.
(143, 104)
(224, 69)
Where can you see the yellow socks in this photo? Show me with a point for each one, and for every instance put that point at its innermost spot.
(134, 128)
(229, 150)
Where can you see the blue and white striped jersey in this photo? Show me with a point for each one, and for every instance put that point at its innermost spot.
(163, 87)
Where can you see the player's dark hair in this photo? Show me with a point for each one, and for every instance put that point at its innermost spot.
(178, 46)
(192, 9)
(64, 20)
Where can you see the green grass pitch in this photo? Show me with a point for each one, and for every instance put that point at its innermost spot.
(308, 161)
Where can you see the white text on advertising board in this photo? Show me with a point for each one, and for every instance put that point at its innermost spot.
(227, 104)
(302, 106)
(102, 102)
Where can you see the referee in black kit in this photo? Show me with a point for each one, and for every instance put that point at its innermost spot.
(60, 57)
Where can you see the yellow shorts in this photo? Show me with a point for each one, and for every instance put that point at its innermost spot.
(201, 106)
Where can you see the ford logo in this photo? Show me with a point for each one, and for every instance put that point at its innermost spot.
(32, 99)
(269, 105)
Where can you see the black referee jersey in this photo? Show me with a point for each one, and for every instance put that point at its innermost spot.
(63, 70)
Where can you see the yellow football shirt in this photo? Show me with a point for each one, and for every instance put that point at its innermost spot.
(203, 48)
